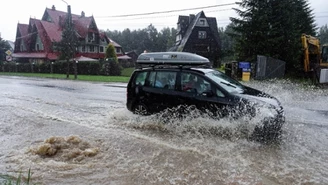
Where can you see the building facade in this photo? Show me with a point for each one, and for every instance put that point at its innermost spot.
(198, 34)
(35, 40)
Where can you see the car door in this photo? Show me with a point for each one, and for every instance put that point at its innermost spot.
(186, 92)
(160, 90)
(135, 94)
(213, 100)
(203, 94)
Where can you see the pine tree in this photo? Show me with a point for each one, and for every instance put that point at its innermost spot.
(272, 28)
(67, 46)
(4, 46)
(227, 43)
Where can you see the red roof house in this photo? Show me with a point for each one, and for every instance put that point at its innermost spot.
(34, 41)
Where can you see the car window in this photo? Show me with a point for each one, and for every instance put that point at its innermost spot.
(202, 85)
(188, 82)
(226, 82)
(152, 79)
(162, 79)
(194, 83)
(141, 78)
(219, 93)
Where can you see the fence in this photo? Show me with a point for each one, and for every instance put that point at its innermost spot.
(267, 67)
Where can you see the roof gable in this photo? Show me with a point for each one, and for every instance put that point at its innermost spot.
(189, 30)
(196, 21)
(46, 16)
(21, 35)
(83, 24)
(52, 30)
(34, 32)
(55, 16)
(23, 29)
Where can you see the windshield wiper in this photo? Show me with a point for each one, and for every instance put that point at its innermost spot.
(228, 84)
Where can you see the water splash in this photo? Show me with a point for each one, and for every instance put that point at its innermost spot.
(184, 120)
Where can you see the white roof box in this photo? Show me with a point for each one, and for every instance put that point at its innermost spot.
(171, 58)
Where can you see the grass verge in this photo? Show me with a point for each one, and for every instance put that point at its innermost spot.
(94, 78)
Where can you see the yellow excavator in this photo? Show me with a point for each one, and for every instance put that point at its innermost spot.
(315, 60)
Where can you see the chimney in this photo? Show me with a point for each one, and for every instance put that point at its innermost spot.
(82, 14)
(53, 7)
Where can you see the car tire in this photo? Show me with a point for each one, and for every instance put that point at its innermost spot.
(140, 109)
(270, 131)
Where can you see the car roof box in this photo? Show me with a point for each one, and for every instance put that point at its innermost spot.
(171, 58)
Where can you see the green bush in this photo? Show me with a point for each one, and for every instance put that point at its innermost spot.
(88, 68)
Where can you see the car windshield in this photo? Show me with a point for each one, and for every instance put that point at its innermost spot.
(229, 84)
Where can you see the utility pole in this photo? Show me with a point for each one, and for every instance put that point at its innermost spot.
(71, 35)
(69, 42)
(68, 27)
(72, 46)
(69, 18)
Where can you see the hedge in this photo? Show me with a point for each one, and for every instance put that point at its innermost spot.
(60, 67)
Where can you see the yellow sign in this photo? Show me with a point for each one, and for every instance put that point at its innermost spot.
(8, 52)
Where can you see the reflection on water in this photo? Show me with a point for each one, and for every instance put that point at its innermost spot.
(131, 149)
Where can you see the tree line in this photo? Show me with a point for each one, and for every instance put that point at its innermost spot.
(149, 39)
(272, 28)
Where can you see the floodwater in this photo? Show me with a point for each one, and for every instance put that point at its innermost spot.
(71, 132)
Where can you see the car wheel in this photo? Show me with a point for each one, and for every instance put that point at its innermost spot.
(270, 131)
(140, 109)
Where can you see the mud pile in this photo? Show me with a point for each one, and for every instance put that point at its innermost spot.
(65, 149)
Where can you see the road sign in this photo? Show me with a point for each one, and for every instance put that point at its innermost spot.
(8, 52)
(9, 58)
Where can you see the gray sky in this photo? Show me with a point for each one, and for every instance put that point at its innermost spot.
(19, 11)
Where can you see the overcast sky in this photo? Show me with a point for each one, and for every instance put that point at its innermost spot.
(19, 11)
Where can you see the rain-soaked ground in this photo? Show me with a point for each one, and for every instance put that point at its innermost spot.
(70, 132)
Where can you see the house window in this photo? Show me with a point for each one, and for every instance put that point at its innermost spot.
(118, 50)
(83, 49)
(37, 47)
(202, 34)
(48, 19)
(101, 49)
(92, 49)
(202, 22)
(21, 48)
(91, 37)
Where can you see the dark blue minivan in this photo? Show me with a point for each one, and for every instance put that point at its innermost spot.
(165, 80)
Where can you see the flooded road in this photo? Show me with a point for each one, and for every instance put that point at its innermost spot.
(71, 132)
